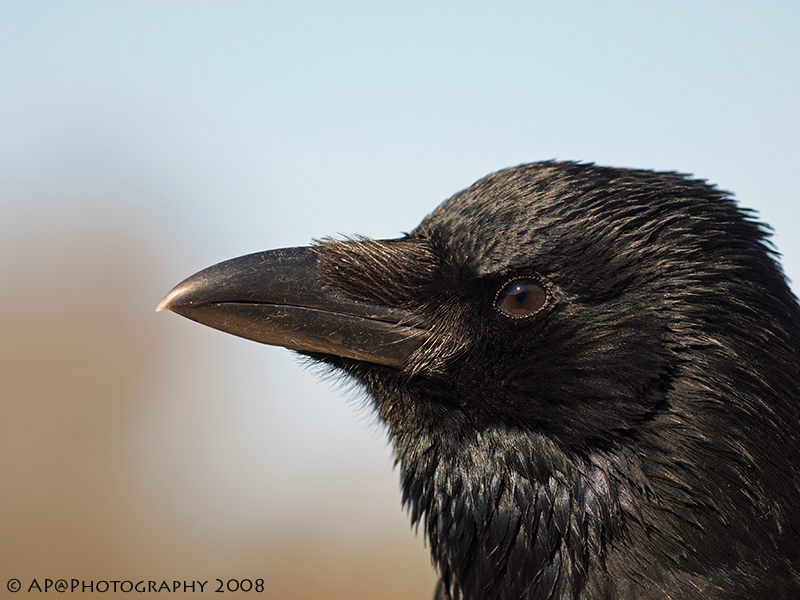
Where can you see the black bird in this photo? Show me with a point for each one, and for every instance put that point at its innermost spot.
(590, 376)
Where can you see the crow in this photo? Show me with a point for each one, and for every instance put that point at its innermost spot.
(590, 377)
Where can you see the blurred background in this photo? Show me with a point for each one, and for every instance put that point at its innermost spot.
(143, 141)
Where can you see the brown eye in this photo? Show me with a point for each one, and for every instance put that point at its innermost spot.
(520, 299)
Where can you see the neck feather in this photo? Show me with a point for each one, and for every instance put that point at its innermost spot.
(509, 516)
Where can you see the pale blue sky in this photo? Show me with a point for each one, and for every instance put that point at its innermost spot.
(214, 129)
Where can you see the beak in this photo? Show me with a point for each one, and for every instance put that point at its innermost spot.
(278, 298)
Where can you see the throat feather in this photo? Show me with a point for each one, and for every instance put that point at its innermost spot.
(503, 524)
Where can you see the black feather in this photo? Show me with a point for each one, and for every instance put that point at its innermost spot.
(636, 438)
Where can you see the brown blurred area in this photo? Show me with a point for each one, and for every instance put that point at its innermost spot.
(84, 361)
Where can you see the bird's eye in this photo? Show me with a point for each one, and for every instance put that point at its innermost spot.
(521, 298)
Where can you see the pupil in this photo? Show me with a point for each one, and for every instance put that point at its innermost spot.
(520, 297)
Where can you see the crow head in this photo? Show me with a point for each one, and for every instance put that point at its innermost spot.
(589, 376)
